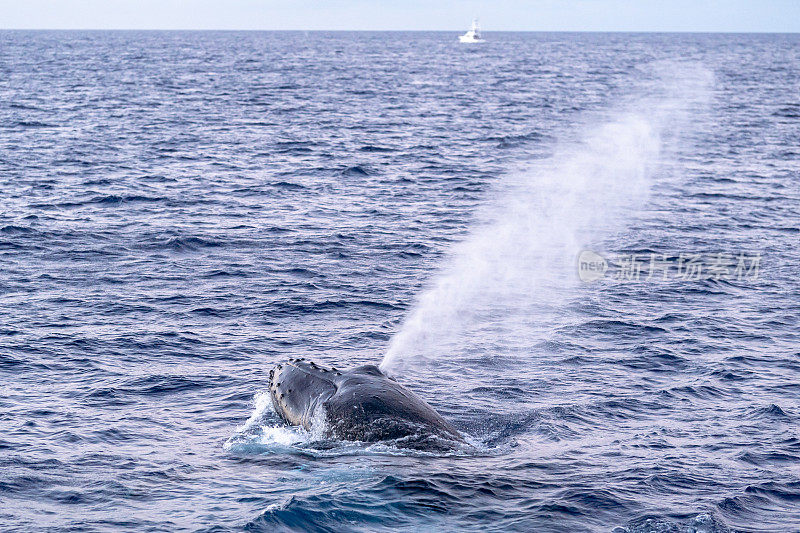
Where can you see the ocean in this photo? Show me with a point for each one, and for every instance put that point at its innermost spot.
(581, 249)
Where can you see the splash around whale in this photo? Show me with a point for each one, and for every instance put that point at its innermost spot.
(361, 404)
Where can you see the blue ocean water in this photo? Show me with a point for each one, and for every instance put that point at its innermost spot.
(183, 210)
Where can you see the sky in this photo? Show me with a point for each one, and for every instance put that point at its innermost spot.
(453, 15)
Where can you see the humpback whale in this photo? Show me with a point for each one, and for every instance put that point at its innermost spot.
(361, 404)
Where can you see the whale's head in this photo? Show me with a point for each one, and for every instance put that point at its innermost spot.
(297, 387)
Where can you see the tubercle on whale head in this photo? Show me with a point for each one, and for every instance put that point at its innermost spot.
(296, 388)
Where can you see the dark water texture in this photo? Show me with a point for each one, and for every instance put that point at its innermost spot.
(182, 210)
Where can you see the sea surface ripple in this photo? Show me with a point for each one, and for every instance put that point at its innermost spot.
(183, 210)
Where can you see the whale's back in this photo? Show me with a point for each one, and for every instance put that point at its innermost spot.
(368, 406)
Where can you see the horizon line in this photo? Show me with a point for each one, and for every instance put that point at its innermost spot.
(730, 32)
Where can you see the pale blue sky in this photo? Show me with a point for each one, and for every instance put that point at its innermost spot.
(497, 15)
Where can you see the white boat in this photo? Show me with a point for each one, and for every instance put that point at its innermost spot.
(473, 35)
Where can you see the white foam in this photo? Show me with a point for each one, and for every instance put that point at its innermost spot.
(260, 435)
